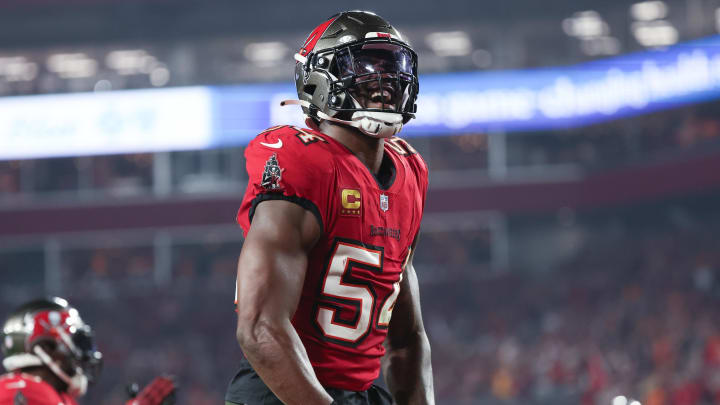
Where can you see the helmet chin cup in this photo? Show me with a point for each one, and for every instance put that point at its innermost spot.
(78, 384)
(378, 124)
(372, 123)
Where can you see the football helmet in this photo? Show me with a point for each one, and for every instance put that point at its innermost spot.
(50, 333)
(356, 69)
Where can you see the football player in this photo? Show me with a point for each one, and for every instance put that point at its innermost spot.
(326, 290)
(51, 358)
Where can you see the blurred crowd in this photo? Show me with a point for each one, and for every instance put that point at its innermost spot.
(185, 327)
(622, 141)
(633, 316)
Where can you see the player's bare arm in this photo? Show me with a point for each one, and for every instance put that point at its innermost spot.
(406, 364)
(271, 271)
(329, 214)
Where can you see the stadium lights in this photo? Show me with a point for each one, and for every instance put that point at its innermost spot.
(18, 69)
(593, 32)
(450, 43)
(266, 53)
(649, 10)
(655, 33)
(585, 24)
(620, 400)
(131, 61)
(72, 65)
(649, 27)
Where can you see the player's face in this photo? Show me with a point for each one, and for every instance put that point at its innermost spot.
(377, 68)
(379, 93)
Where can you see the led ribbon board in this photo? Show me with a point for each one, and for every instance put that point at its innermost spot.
(519, 100)
(105, 123)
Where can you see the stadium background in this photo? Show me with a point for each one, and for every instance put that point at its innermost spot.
(561, 261)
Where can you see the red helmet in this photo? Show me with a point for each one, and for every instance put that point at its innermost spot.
(50, 333)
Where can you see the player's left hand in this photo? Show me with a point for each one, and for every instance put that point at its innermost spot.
(161, 391)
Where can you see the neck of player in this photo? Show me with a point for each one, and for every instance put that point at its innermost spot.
(368, 149)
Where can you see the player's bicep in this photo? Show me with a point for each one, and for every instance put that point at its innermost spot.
(273, 260)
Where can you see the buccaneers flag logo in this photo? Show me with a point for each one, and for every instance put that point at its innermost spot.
(272, 174)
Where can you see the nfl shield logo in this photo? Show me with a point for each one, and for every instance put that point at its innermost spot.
(384, 202)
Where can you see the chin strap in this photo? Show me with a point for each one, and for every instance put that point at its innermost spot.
(371, 123)
(77, 384)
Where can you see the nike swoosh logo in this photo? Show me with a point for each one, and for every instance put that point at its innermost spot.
(20, 384)
(276, 145)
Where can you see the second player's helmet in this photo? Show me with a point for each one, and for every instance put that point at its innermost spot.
(356, 69)
(49, 333)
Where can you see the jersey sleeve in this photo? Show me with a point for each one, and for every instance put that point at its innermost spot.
(286, 163)
(419, 170)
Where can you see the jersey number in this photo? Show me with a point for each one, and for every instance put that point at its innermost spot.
(341, 287)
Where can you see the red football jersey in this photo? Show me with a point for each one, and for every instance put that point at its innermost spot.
(354, 271)
(26, 389)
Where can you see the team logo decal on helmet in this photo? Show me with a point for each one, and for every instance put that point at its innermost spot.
(50, 333)
(356, 69)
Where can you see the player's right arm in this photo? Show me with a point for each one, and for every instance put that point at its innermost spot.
(271, 272)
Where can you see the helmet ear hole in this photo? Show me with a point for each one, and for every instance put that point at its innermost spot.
(309, 89)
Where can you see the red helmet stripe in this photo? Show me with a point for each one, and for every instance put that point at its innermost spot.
(314, 37)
